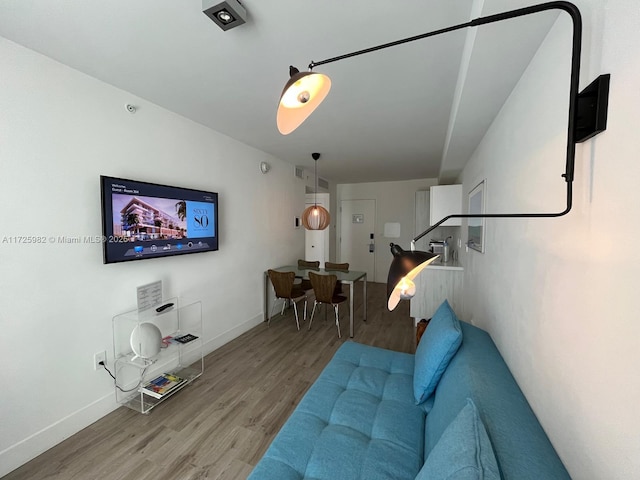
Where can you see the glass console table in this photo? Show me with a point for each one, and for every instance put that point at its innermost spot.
(183, 360)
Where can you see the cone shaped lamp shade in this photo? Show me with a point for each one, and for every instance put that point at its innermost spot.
(300, 97)
(406, 266)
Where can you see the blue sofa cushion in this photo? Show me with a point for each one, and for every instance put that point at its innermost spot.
(463, 452)
(358, 420)
(477, 371)
(438, 345)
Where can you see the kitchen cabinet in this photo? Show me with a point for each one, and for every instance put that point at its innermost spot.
(446, 200)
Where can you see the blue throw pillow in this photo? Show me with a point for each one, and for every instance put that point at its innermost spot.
(463, 452)
(438, 345)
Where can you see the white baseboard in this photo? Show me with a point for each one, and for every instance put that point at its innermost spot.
(32, 446)
(225, 337)
(20, 453)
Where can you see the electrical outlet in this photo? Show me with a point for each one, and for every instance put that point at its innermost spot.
(99, 357)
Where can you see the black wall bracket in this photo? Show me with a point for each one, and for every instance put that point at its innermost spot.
(591, 112)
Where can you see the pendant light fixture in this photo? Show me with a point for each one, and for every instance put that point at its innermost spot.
(315, 217)
(587, 116)
(301, 95)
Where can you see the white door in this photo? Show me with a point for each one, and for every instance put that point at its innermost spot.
(357, 241)
(314, 246)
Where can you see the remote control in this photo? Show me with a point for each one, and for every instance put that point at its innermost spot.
(162, 308)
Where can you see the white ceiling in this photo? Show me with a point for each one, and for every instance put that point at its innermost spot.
(413, 111)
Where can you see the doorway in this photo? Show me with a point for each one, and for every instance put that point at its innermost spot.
(357, 241)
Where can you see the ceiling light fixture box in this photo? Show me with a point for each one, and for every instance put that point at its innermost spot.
(227, 14)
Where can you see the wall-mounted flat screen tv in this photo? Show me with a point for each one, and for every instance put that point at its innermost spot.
(143, 220)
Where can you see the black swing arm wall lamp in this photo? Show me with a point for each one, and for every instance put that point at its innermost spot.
(587, 117)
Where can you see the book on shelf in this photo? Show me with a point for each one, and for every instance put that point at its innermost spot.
(176, 340)
(160, 386)
(189, 337)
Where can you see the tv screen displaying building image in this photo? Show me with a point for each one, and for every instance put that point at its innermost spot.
(142, 220)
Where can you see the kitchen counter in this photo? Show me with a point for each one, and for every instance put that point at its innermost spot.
(450, 265)
(436, 283)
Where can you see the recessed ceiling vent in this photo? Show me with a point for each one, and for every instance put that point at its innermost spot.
(322, 183)
(227, 14)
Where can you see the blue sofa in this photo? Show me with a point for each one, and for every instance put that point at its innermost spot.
(368, 416)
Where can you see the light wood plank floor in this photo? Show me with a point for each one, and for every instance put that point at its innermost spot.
(221, 425)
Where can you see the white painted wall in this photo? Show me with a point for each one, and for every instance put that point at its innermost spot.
(395, 202)
(59, 130)
(559, 296)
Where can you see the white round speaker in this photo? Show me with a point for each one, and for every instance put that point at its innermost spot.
(146, 340)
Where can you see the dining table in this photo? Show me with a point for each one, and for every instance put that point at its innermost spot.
(345, 276)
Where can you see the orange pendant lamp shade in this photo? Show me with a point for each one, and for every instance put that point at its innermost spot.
(300, 97)
(315, 217)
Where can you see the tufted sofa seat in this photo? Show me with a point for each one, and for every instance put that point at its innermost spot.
(451, 411)
(360, 414)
